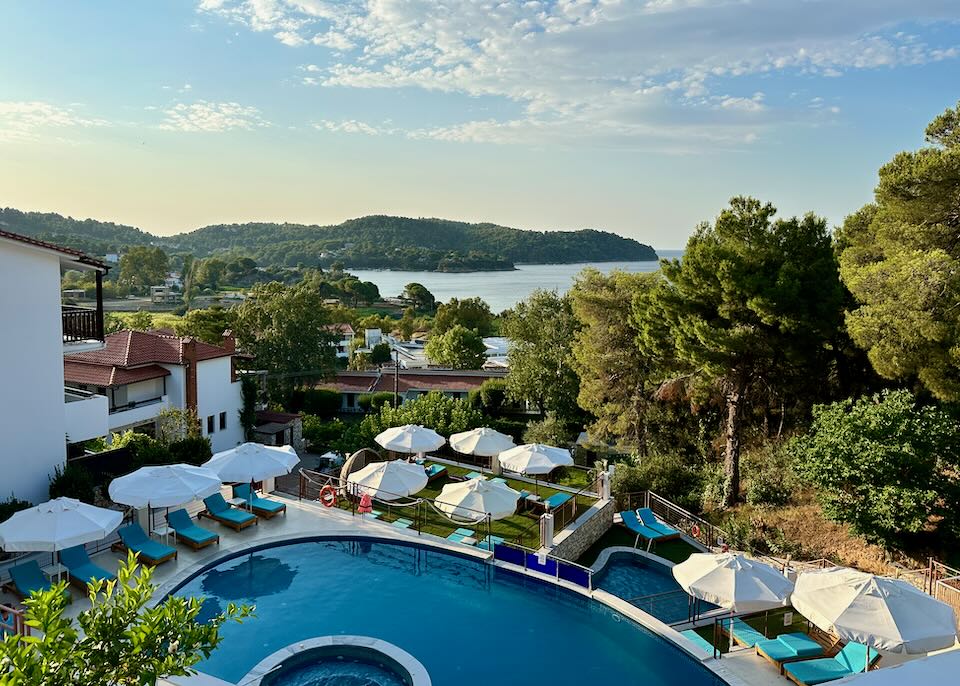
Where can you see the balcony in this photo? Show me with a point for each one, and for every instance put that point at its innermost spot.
(137, 412)
(86, 415)
(83, 326)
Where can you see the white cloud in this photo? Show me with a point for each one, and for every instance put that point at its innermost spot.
(36, 120)
(352, 126)
(612, 68)
(212, 117)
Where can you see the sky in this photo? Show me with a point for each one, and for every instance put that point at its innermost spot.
(641, 118)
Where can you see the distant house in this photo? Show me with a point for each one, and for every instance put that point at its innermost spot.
(164, 295)
(345, 335)
(410, 383)
(143, 372)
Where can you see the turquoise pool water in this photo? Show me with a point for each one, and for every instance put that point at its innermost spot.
(647, 585)
(467, 622)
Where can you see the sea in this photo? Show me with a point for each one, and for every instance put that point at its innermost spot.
(501, 290)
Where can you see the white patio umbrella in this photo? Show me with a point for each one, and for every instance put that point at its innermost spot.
(879, 612)
(57, 524)
(164, 486)
(535, 458)
(485, 442)
(734, 582)
(410, 439)
(389, 480)
(934, 670)
(250, 462)
(467, 499)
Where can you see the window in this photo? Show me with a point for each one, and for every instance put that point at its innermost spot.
(223, 421)
(210, 424)
(351, 400)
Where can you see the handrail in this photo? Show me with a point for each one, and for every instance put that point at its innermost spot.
(559, 562)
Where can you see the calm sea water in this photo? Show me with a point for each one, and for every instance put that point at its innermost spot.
(501, 290)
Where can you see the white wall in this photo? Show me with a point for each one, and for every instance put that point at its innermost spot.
(32, 415)
(216, 394)
(144, 390)
(176, 385)
(86, 418)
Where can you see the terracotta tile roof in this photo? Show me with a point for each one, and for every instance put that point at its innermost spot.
(106, 375)
(339, 328)
(78, 255)
(352, 382)
(134, 348)
(451, 382)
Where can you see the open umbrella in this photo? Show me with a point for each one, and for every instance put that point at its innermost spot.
(164, 486)
(934, 670)
(410, 439)
(879, 612)
(389, 480)
(535, 458)
(57, 524)
(734, 582)
(467, 499)
(250, 462)
(484, 442)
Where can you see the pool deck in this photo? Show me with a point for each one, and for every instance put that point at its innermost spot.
(741, 668)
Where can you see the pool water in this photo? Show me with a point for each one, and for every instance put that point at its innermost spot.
(469, 623)
(646, 584)
(332, 672)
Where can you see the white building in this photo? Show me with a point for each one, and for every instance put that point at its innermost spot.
(345, 335)
(144, 372)
(38, 415)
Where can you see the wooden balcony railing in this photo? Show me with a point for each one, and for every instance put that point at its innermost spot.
(81, 324)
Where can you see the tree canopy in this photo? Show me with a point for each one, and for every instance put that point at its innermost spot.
(470, 313)
(458, 348)
(421, 298)
(143, 266)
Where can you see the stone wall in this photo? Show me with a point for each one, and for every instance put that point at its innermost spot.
(574, 541)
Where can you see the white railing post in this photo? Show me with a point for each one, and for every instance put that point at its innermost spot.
(546, 530)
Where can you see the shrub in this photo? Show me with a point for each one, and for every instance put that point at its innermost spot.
(144, 449)
(73, 481)
(668, 475)
(322, 433)
(548, 430)
(490, 397)
(372, 402)
(322, 402)
(193, 450)
(769, 476)
(511, 427)
(12, 505)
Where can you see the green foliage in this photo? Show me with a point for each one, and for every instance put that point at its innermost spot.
(470, 313)
(143, 266)
(380, 354)
(144, 449)
(511, 427)
(174, 424)
(670, 476)
(883, 464)
(73, 481)
(901, 261)
(374, 401)
(549, 431)
(193, 450)
(542, 329)
(323, 402)
(120, 640)
(769, 475)
(248, 408)
(321, 433)
(207, 324)
(754, 302)
(457, 348)
(421, 298)
(139, 321)
(12, 505)
(490, 397)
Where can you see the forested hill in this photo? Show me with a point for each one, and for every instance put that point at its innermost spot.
(368, 242)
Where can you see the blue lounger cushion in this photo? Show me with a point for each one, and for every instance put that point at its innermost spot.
(256, 502)
(489, 542)
(650, 521)
(632, 522)
(136, 539)
(557, 500)
(743, 633)
(434, 470)
(698, 640)
(473, 475)
(220, 509)
(81, 569)
(499, 480)
(457, 537)
(402, 523)
(789, 647)
(184, 528)
(851, 660)
(465, 532)
(28, 578)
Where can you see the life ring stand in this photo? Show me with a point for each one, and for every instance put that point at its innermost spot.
(328, 496)
(695, 530)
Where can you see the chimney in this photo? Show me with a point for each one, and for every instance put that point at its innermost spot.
(230, 345)
(189, 347)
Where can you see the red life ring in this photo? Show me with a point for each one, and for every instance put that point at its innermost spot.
(725, 548)
(328, 496)
(695, 530)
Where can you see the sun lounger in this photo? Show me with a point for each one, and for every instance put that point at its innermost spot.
(490, 542)
(187, 532)
(632, 522)
(219, 510)
(556, 501)
(788, 648)
(262, 507)
(473, 475)
(27, 578)
(851, 660)
(402, 523)
(698, 640)
(435, 471)
(82, 571)
(649, 520)
(498, 480)
(460, 534)
(743, 633)
(133, 537)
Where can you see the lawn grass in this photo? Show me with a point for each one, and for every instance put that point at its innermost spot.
(676, 550)
(522, 525)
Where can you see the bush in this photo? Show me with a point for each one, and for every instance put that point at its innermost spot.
(769, 477)
(372, 402)
(322, 402)
(73, 481)
(320, 433)
(12, 505)
(194, 450)
(548, 430)
(491, 397)
(667, 475)
(144, 449)
(511, 427)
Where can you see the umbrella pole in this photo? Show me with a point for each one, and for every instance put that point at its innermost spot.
(731, 632)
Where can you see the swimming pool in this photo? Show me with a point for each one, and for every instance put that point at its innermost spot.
(646, 584)
(469, 623)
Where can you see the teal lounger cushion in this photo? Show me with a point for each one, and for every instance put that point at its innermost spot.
(851, 660)
(697, 640)
(632, 522)
(435, 469)
(403, 523)
(743, 633)
(650, 521)
(136, 539)
(473, 475)
(29, 578)
(557, 500)
(184, 527)
(489, 542)
(256, 502)
(221, 509)
(78, 563)
(789, 647)
(499, 480)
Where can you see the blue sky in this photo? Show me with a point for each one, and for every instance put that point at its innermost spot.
(636, 117)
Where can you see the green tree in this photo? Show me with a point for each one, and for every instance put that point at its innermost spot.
(120, 640)
(421, 298)
(380, 354)
(470, 313)
(458, 348)
(140, 321)
(883, 464)
(248, 407)
(542, 329)
(901, 261)
(753, 305)
(284, 328)
(143, 266)
(209, 273)
(207, 324)
(407, 324)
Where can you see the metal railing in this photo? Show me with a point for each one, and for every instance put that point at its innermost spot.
(136, 403)
(544, 563)
(12, 622)
(943, 583)
(81, 324)
(671, 607)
